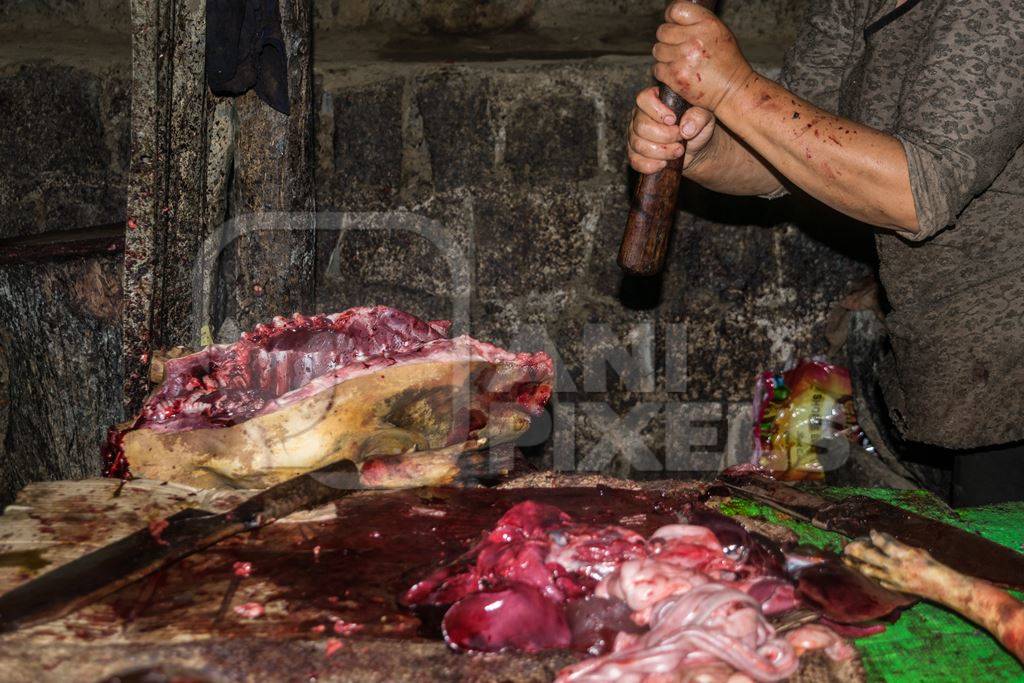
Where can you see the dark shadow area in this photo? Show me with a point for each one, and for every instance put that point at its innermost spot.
(641, 293)
(848, 237)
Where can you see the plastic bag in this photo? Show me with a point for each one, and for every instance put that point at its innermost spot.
(800, 414)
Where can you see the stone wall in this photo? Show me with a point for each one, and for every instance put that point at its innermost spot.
(63, 161)
(104, 15)
(751, 18)
(64, 142)
(522, 167)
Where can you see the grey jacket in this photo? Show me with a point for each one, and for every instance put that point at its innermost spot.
(946, 77)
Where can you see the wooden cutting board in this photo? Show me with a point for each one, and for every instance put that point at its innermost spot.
(303, 570)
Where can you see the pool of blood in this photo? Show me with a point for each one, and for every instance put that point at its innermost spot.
(344, 576)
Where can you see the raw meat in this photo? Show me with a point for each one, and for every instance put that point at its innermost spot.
(493, 620)
(846, 597)
(301, 392)
(817, 637)
(535, 552)
(693, 597)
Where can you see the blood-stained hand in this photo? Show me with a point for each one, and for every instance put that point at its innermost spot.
(655, 137)
(698, 56)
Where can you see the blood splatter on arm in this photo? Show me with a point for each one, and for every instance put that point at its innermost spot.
(855, 169)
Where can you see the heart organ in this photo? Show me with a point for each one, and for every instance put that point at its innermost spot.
(301, 392)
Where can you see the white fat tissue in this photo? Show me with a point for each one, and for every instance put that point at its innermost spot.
(701, 628)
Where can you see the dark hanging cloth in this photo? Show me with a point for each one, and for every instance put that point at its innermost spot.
(245, 49)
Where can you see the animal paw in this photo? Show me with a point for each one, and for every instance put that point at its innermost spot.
(898, 566)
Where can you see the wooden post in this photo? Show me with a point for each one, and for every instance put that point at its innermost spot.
(166, 178)
(196, 161)
(268, 269)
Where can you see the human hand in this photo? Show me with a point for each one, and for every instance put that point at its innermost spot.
(655, 137)
(698, 56)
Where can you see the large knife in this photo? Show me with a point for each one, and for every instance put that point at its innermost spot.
(101, 572)
(855, 516)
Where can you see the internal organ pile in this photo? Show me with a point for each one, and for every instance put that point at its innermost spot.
(304, 391)
(694, 598)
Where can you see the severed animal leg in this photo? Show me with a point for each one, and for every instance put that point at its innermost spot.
(912, 570)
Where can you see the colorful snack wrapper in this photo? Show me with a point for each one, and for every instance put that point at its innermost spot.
(799, 414)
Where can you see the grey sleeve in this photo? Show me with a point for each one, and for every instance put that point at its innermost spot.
(829, 40)
(962, 117)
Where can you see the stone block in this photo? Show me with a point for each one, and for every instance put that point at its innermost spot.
(626, 441)
(444, 16)
(602, 275)
(36, 15)
(472, 16)
(644, 437)
(825, 250)
(550, 128)
(415, 258)
(368, 141)
(529, 240)
(456, 110)
(63, 132)
(616, 81)
(719, 263)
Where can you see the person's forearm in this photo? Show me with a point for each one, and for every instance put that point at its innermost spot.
(855, 169)
(728, 166)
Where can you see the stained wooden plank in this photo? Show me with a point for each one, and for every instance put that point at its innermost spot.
(51, 523)
(180, 621)
(57, 521)
(100, 239)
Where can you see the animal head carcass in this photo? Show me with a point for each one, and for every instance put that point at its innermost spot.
(301, 392)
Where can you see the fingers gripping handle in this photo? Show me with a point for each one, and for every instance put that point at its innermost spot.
(645, 240)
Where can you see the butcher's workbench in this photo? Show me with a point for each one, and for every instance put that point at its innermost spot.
(191, 620)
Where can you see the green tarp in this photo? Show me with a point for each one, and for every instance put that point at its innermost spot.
(928, 643)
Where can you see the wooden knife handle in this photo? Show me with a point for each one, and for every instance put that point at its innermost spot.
(645, 240)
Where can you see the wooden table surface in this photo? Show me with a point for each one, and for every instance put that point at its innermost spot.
(53, 522)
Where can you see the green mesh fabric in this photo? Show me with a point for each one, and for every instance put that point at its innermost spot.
(928, 643)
